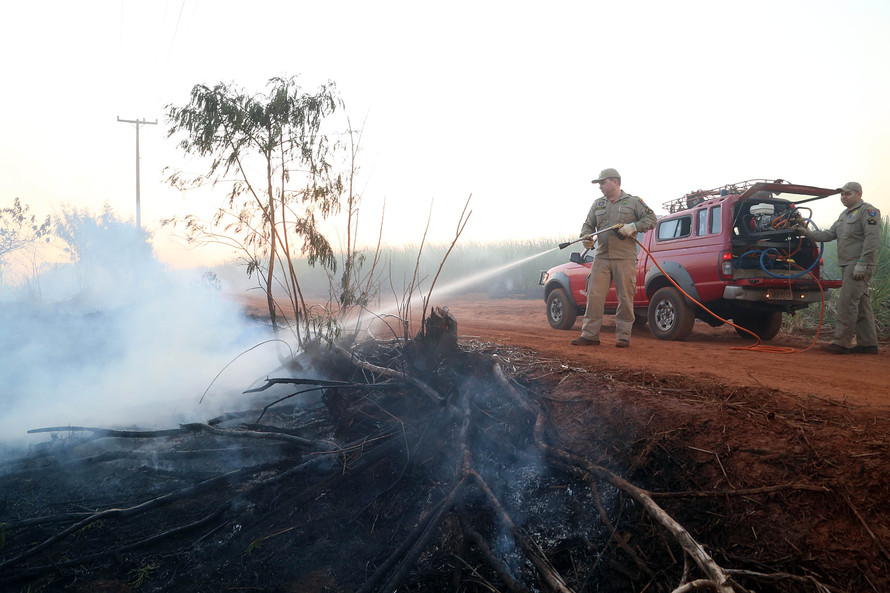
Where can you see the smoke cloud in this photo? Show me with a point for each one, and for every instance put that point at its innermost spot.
(116, 340)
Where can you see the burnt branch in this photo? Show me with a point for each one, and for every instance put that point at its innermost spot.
(254, 434)
(551, 577)
(141, 543)
(298, 381)
(493, 561)
(402, 560)
(739, 491)
(110, 433)
(379, 370)
(124, 513)
(704, 561)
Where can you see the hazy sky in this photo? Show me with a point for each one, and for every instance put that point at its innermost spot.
(519, 104)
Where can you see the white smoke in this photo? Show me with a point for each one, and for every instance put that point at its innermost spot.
(116, 340)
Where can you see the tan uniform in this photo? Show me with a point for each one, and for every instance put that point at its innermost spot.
(858, 234)
(616, 260)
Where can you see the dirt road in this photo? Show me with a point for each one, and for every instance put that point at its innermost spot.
(709, 353)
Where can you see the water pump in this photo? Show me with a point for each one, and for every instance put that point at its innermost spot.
(762, 217)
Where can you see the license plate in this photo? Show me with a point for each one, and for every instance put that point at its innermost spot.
(779, 294)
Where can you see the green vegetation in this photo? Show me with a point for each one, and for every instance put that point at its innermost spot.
(880, 285)
(483, 267)
(20, 232)
(280, 174)
(138, 576)
(471, 267)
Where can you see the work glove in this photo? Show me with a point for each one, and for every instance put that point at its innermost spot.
(799, 229)
(588, 243)
(628, 230)
(860, 271)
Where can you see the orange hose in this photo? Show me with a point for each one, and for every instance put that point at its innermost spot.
(757, 346)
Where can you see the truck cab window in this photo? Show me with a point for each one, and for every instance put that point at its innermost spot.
(715, 219)
(675, 228)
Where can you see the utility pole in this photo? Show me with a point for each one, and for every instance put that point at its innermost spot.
(137, 123)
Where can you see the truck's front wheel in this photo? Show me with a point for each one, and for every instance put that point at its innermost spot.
(766, 324)
(670, 318)
(561, 310)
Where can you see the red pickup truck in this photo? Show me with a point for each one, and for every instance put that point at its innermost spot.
(729, 248)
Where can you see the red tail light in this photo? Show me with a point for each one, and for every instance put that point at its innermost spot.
(726, 265)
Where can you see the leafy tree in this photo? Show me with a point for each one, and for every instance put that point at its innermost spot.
(272, 154)
(20, 229)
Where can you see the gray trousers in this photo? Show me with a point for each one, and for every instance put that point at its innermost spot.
(854, 314)
(604, 271)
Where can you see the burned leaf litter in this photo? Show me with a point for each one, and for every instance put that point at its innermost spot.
(429, 465)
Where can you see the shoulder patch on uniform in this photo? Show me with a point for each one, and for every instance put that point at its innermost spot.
(872, 220)
(873, 212)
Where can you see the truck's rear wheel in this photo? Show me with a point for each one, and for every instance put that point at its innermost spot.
(670, 318)
(561, 310)
(766, 324)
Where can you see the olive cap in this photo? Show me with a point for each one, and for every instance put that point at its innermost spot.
(605, 174)
(851, 186)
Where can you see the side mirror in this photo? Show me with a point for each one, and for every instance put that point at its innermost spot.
(575, 258)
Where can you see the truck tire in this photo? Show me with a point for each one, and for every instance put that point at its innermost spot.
(670, 318)
(561, 310)
(766, 324)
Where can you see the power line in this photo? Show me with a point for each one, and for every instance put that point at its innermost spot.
(175, 31)
(138, 123)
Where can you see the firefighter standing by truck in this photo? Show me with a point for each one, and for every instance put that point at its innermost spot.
(858, 234)
(615, 260)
